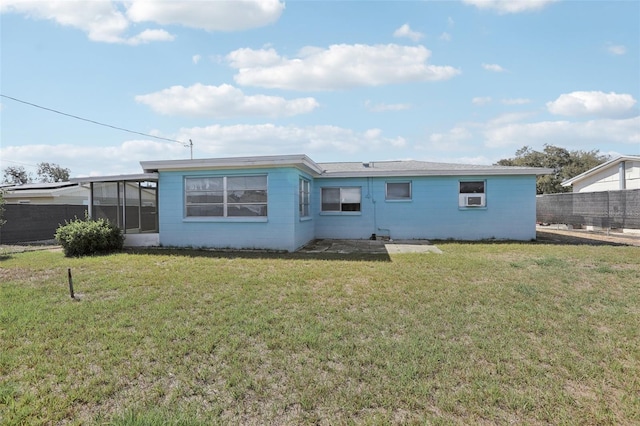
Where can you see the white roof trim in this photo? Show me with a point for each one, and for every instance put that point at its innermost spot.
(116, 178)
(300, 161)
(602, 166)
(442, 172)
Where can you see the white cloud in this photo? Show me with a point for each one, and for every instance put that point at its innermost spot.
(592, 103)
(510, 6)
(101, 20)
(445, 36)
(269, 139)
(588, 134)
(223, 101)
(88, 159)
(406, 31)
(493, 67)
(148, 36)
(208, 15)
(380, 107)
(196, 58)
(108, 21)
(508, 118)
(454, 136)
(510, 131)
(337, 67)
(617, 49)
(481, 100)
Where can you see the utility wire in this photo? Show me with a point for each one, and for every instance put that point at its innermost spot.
(190, 144)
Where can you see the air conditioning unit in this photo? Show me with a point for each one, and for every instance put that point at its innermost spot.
(472, 200)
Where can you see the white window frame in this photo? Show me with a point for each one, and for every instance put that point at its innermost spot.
(304, 200)
(342, 197)
(225, 193)
(387, 197)
(473, 195)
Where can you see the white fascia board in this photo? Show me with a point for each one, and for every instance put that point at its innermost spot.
(116, 178)
(452, 172)
(299, 161)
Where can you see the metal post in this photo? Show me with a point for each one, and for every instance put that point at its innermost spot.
(70, 284)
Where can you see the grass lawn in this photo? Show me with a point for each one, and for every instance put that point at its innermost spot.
(484, 333)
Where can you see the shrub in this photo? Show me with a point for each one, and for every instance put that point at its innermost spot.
(87, 237)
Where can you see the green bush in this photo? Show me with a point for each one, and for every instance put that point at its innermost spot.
(87, 237)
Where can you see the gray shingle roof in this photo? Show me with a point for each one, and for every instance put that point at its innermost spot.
(419, 168)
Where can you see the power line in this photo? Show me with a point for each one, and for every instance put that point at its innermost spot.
(187, 145)
(17, 162)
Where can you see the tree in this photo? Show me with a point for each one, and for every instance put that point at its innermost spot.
(16, 175)
(565, 164)
(51, 172)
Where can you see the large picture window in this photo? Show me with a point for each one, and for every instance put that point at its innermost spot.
(304, 197)
(226, 196)
(398, 191)
(341, 199)
(472, 194)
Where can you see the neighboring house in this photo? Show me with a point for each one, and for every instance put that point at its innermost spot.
(34, 211)
(284, 202)
(614, 175)
(46, 193)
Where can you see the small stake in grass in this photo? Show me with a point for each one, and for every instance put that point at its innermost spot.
(70, 284)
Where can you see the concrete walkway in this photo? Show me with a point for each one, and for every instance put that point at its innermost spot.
(370, 246)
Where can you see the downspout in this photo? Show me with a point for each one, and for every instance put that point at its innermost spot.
(375, 213)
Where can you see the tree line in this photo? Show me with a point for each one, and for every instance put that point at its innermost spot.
(47, 172)
(564, 163)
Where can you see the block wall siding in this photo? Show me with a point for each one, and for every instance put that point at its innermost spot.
(281, 230)
(36, 222)
(433, 212)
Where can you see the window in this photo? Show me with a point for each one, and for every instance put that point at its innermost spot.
(341, 199)
(472, 194)
(398, 191)
(226, 196)
(304, 197)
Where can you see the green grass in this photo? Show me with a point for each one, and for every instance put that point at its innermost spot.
(484, 333)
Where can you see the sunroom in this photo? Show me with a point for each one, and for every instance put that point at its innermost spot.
(129, 201)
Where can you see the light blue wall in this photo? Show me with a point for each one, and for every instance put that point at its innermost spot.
(433, 212)
(281, 230)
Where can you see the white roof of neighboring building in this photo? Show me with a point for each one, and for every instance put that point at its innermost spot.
(605, 165)
(39, 186)
(42, 190)
(117, 178)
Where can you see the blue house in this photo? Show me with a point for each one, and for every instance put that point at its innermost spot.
(284, 202)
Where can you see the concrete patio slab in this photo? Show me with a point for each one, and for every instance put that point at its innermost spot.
(370, 246)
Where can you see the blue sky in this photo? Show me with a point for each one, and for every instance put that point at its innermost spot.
(454, 81)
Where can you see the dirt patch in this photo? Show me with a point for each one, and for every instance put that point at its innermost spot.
(581, 236)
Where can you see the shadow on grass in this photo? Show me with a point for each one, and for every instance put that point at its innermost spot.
(246, 254)
(544, 238)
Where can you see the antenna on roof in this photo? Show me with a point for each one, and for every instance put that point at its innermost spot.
(190, 146)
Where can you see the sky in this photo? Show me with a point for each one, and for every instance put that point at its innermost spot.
(468, 81)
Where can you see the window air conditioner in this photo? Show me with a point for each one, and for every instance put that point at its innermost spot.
(474, 200)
